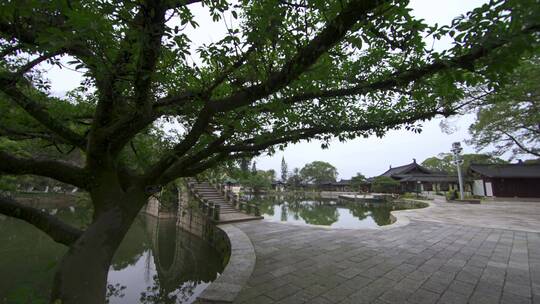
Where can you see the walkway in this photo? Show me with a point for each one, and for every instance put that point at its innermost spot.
(441, 259)
(513, 215)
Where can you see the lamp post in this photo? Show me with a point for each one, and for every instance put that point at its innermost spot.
(458, 160)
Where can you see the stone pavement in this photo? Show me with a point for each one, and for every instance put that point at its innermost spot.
(513, 215)
(422, 262)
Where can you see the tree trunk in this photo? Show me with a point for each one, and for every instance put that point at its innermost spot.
(82, 274)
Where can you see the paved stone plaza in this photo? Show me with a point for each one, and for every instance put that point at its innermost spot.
(447, 257)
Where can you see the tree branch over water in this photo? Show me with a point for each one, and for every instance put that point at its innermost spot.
(59, 231)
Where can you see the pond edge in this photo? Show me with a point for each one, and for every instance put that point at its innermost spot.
(400, 216)
(237, 272)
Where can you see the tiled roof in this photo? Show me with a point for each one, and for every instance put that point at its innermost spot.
(428, 178)
(508, 170)
(406, 168)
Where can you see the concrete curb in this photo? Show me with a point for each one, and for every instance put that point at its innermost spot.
(400, 216)
(236, 273)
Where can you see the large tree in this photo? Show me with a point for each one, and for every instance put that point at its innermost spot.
(318, 172)
(496, 125)
(444, 162)
(284, 71)
(284, 170)
(358, 181)
(384, 184)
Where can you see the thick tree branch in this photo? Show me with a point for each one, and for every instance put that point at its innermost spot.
(26, 135)
(152, 29)
(10, 49)
(20, 31)
(191, 160)
(174, 100)
(208, 157)
(265, 141)
(405, 77)
(32, 63)
(196, 168)
(333, 32)
(60, 171)
(59, 231)
(180, 149)
(180, 100)
(208, 163)
(228, 71)
(40, 113)
(144, 38)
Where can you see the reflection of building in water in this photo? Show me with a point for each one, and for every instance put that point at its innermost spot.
(180, 257)
(188, 251)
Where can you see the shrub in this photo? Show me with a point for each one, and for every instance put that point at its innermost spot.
(385, 184)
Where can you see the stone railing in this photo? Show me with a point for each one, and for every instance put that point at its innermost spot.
(213, 210)
(234, 199)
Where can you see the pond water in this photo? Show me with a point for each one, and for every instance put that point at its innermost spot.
(156, 263)
(335, 213)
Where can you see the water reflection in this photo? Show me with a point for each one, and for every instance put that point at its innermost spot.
(156, 262)
(328, 212)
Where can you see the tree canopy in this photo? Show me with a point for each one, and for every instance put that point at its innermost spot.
(384, 184)
(284, 71)
(284, 170)
(302, 71)
(496, 123)
(358, 180)
(445, 162)
(260, 180)
(295, 179)
(318, 172)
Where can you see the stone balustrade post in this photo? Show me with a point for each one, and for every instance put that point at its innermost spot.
(210, 209)
(217, 210)
(204, 207)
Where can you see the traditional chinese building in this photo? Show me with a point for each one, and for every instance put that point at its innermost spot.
(508, 180)
(416, 178)
(343, 185)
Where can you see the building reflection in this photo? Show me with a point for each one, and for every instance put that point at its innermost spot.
(155, 263)
(177, 265)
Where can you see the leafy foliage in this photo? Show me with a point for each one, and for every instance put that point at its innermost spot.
(284, 170)
(384, 184)
(509, 118)
(318, 172)
(260, 180)
(283, 72)
(444, 162)
(358, 181)
(295, 179)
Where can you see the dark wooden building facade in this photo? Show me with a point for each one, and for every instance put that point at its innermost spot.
(509, 180)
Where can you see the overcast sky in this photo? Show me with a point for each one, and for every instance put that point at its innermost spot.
(370, 156)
